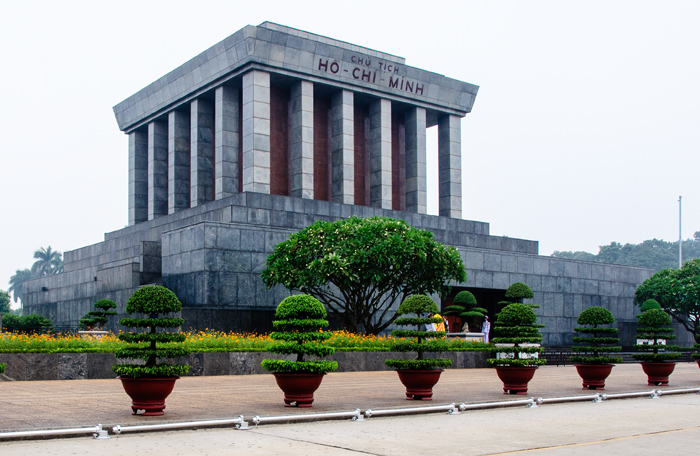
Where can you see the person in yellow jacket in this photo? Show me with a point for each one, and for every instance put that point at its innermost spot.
(439, 326)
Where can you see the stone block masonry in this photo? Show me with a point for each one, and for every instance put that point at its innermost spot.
(211, 256)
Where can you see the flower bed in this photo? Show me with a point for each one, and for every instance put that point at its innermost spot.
(203, 342)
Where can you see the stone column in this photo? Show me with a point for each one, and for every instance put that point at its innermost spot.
(380, 154)
(256, 132)
(178, 161)
(138, 176)
(301, 124)
(201, 152)
(416, 174)
(450, 165)
(343, 147)
(226, 141)
(157, 169)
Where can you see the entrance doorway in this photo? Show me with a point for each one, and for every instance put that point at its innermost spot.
(488, 298)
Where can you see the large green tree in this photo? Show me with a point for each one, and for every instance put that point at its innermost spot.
(678, 292)
(48, 262)
(16, 281)
(359, 267)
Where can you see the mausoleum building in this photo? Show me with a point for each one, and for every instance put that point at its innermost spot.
(272, 129)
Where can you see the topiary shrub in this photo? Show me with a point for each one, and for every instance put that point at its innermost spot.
(418, 340)
(96, 319)
(650, 304)
(519, 291)
(516, 293)
(516, 325)
(464, 305)
(152, 301)
(596, 342)
(654, 326)
(299, 324)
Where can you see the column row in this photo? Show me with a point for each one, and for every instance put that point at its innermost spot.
(218, 147)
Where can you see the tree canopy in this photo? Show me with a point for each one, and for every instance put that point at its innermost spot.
(359, 267)
(654, 254)
(678, 293)
(48, 262)
(17, 280)
(4, 302)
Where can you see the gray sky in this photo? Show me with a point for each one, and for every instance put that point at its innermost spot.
(585, 129)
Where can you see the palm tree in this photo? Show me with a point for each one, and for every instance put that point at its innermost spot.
(48, 262)
(16, 281)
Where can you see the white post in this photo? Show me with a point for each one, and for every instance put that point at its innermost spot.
(680, 238)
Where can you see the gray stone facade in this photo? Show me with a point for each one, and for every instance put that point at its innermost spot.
(211, 256)
(223, 155)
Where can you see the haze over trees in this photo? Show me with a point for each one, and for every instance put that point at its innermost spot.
(654, 254)
(47, 262)
(4, 302)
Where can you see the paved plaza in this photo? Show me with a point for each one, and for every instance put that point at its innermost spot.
(611, 427)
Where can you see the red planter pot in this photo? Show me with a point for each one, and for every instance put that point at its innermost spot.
(657, 373)
(594, 375)
(298, 389)
(515, 378)
(148, 394)
(419, 383)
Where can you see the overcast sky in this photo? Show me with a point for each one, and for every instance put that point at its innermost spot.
(586, 128)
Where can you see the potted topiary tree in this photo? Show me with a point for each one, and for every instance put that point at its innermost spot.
(648, 305)
(517, 349)
(299, 322)
(148, 384)
(593, 361)
(464, 306)
(94, 321)
(654, 325)
(418, 375)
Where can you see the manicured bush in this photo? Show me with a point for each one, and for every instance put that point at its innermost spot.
(96, 319)
(655, 325)
(517, 293)
(30, 324)
(300, 320)
(597, 341)
(650, 304)
(696, 355)
(418, 340)
(516, 325)
(151, 301)
(464, 305)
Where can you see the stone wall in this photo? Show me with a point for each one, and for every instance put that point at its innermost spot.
(72, 366)
(212, 255)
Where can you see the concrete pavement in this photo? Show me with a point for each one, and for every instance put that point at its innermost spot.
(77, 403)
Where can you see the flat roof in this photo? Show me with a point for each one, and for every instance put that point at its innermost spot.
(296, 53)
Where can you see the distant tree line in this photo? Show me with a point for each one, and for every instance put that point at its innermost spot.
(654, 254)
